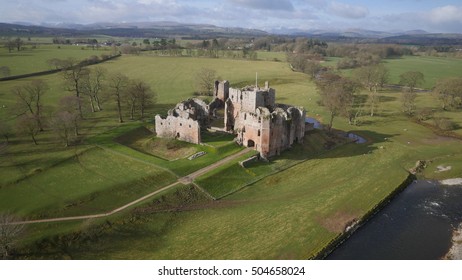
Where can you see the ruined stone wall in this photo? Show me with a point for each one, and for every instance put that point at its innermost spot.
(193, 108)
(250, 112)
(221, 90)
(251, 131)
(178, 128)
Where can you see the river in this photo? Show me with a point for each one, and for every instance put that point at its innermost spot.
(417, 225)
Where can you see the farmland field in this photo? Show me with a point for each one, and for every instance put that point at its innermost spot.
(288, 208)
(35, 59)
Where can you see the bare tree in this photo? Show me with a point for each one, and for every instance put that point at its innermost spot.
(449, 92)
(27, 125)
(92, 86)
(411, 79)
(132, 98)
(10, 232)
(37, 89)
(68, 112)
(408, 102)
(118, 85)
(62, 124)
(9, 45)
(29, 100)
(5, 130)
(139, 95)
(18, 43)
(372, 77)
(5, 71)
(204, 81)
(337, 95)
(312, 68)
(56, 63)
(74, 74)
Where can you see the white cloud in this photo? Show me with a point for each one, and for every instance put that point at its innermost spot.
(347, 10)
(282, 5)
(446, 14)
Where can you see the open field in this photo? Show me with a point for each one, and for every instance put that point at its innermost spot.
(433, 68)
(310, 197)
(35, 59)
(90, 182)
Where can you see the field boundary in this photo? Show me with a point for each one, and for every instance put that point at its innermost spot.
(53, 71)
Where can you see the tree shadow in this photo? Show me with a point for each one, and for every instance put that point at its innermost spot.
(321, 144)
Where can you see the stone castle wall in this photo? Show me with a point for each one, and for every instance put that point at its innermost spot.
(179, 128)
(251, 113)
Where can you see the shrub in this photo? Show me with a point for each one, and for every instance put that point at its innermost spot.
(445, 124)
(425, 114)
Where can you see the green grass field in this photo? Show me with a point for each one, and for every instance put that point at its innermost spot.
(91, 182)
(309, 198)
(433, 68)
(33, 60)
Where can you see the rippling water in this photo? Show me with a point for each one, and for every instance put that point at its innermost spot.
(417, 224)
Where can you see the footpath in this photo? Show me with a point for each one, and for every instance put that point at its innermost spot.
(183, 180)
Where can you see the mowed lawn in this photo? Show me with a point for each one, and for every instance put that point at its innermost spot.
(91, 182)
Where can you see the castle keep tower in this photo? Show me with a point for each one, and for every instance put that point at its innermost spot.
(251, 113)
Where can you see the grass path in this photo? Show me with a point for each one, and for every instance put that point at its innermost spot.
(183, 180)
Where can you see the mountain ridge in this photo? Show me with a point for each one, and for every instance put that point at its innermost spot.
(207, 31)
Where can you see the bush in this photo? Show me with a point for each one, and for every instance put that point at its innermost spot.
(425, 114)
(445, 124)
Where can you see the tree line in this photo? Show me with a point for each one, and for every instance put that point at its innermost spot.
(343, 96)
(91, 89)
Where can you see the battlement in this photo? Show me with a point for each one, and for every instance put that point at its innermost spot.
(250, 112)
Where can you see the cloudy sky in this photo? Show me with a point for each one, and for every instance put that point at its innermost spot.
(387, 15)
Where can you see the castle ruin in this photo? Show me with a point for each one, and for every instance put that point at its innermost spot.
(250, 113)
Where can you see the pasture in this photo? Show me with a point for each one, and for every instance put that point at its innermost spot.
(34, 59)
(288, 208)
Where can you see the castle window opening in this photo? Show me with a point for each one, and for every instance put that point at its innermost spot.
(259, 132)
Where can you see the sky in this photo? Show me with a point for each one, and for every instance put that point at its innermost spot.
(391, 15)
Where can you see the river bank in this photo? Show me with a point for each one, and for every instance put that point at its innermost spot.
(341, 238)
(455, 253)
(424, 222)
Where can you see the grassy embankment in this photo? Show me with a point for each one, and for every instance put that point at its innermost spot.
(290, 214)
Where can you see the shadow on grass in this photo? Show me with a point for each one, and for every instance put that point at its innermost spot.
(320, 144)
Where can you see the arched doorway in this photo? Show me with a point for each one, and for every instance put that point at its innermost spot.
(250, 143)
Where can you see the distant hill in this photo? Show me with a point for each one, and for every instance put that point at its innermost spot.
(142, 29)
(207, 31)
